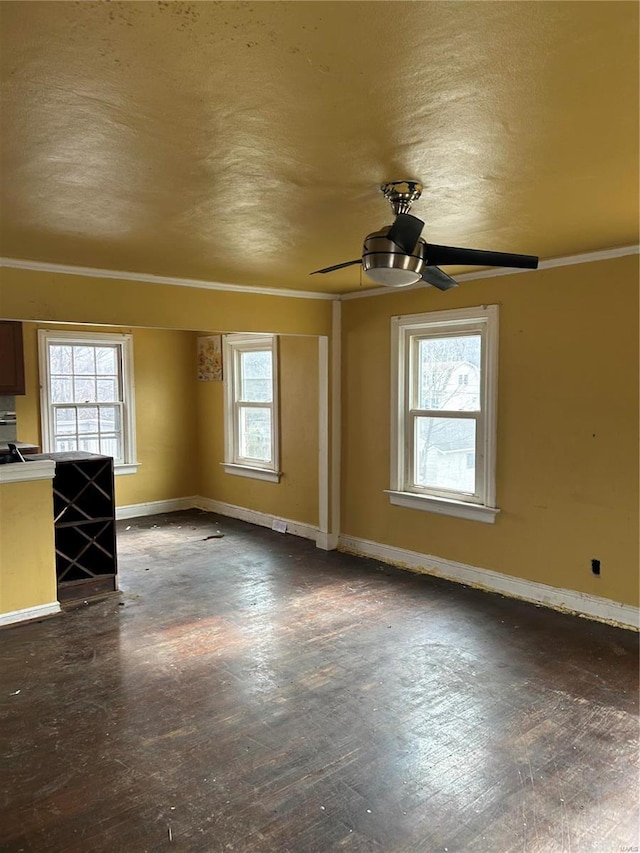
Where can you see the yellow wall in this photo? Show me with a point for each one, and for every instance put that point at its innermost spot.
(296, 495)
(165, 378)
(59, 297)
(567, 476)
(180, 425)
(27, 561)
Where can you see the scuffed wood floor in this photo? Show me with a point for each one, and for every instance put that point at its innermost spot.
(256, 694)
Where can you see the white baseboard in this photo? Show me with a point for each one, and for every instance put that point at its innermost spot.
(580, 603)
(263, 519)
(155, 507)
(28, 614)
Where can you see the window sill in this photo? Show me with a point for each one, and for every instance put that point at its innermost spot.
(253, 473)
(444, 506)
(126, 468)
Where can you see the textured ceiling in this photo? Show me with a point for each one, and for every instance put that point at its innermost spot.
(244, 142)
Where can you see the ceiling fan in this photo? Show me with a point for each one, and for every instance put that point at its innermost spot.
(397, 256)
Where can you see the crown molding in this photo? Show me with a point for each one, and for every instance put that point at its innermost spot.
(95, 272)
(566, 261)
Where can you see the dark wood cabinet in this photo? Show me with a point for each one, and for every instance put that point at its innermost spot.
(11, 358)
(85, 528)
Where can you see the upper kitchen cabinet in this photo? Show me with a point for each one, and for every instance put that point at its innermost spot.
(11, 358)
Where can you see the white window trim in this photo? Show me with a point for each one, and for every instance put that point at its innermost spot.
(253, 473)
(402, 327)
(129, 465)
(269, 472)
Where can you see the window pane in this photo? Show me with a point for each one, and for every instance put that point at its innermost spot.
(89, 444)
(83, 360)
(256, 377)
(255, 434)
(88, 419)
(84, 390)
(110, 446)
(444, 447)
(60, 360)
(107, 390)
(449, 373)
(61, 390)
(65, 422)
(106, 360)
(109, 419)
(63, 445)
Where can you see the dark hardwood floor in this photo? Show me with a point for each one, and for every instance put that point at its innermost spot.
(251, 693)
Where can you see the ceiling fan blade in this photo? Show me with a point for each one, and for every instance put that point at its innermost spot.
(336, 267)
(451, 255)
(405, 232)
(435, 276)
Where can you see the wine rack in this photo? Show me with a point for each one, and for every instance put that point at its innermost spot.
(84, 522)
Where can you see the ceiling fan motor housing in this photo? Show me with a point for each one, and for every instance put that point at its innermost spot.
(385, 263)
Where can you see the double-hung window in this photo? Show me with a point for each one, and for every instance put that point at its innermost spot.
(251, 406)
(87, 395)
(444, 377)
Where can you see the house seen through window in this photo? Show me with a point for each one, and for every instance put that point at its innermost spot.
(442, 445)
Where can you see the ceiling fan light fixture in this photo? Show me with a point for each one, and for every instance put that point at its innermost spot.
(392, 276)
(383, 263)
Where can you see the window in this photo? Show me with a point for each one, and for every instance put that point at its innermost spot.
(251, 412)
(444, 375)
(87, 395)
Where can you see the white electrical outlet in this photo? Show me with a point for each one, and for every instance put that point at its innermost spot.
(279, 525)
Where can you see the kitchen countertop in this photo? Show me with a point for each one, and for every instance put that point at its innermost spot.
(17, 472)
